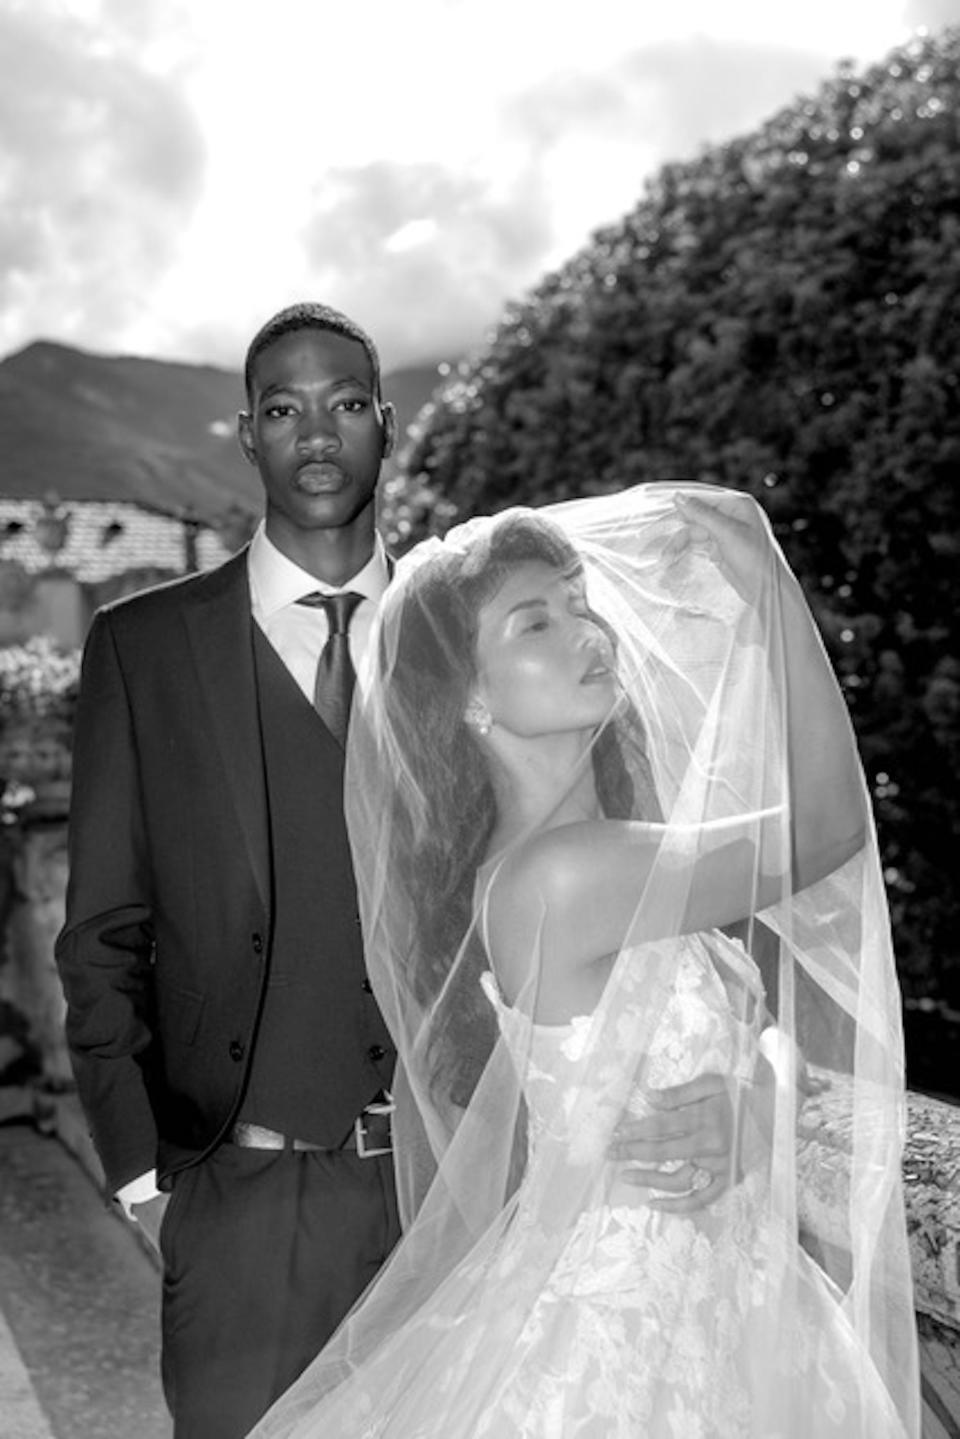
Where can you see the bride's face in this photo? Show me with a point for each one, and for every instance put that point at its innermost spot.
(544, 664)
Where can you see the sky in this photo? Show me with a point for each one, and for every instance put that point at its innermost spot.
(174, 171)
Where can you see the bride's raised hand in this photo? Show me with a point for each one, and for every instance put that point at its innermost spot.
(728, 527)
(826, 790)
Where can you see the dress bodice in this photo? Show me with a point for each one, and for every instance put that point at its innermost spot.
(710, 1024)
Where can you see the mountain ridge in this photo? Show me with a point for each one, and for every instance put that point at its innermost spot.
(77, 425)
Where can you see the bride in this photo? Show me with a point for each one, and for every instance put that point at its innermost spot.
(611, 834)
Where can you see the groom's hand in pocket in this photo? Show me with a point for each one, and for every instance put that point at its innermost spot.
(683, 1149)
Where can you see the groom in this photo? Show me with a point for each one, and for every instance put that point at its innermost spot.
(228, 1051)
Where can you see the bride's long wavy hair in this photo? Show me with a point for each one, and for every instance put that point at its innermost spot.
(446, 807)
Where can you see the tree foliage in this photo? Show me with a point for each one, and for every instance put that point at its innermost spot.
(781, 315)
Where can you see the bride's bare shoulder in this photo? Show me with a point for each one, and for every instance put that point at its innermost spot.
(554, 884)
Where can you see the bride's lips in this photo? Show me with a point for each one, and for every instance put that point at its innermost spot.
(596, 674)
(320, 477)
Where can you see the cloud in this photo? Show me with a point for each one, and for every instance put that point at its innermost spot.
(934, 14)
(670, 98)
(167, 181)
(427, 255)
(102, 162)
(424, 255)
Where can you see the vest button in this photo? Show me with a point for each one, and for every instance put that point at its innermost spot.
(367, 987)
(257, 941)
(236, 1051)
(376, 1052)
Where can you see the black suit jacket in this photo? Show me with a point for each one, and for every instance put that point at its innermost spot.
(169, 896)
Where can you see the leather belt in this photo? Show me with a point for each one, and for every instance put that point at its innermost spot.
(369, 1135)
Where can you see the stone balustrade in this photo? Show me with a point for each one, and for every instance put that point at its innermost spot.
(932, 1174)
(931, 1171)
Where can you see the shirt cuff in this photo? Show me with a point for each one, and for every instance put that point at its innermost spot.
(780, 1051)
(138, 1191)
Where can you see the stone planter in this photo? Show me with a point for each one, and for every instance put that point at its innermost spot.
(35, 768)
(35, 858)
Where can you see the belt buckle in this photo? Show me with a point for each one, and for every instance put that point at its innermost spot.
(381, 1109)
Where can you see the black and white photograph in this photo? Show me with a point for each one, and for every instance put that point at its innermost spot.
(479, 720)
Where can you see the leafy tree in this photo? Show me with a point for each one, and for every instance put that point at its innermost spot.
(779, 315)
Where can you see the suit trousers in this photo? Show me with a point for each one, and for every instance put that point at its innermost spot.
(264, 1252)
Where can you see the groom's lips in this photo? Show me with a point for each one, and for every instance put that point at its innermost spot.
(320, 477)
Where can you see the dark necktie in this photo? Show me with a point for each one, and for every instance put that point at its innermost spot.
(333, 687)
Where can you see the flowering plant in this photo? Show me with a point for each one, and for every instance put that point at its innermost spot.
(38, 696)
(37, 680)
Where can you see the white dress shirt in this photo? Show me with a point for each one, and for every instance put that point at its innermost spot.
(298, 634)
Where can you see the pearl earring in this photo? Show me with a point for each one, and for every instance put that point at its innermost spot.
(478, 717)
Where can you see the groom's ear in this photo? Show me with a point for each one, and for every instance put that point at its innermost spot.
(388, 416)
(248, 445)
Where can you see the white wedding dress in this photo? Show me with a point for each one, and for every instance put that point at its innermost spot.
(644, 1327)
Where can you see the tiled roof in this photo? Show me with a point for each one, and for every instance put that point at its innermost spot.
(103, 539)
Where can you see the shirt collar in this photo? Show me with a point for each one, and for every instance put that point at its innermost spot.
(276, 581)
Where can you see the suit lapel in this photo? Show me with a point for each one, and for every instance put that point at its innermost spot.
(220, 626)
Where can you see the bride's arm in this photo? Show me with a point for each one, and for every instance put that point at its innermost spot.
(580, 890)
(827, 802)
(827, 797)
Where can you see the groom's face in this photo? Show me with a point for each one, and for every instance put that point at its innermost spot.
(316, 431)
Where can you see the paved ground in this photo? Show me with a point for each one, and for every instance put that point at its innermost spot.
(78, 1303)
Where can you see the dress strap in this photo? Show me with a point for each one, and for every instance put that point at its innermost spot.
(482, 886)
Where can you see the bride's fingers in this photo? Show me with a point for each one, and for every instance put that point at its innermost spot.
(736, 545)
(706, 1137)
(713, 519)
(696, 1199)
(677, 545)
(691, 537)
(684, 1190)
(646, 1176)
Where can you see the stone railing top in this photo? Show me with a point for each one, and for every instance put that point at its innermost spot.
(931, 1173)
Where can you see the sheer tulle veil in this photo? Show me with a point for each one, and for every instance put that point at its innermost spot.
(696, 748)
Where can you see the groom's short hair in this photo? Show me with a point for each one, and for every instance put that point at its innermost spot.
(308, 315)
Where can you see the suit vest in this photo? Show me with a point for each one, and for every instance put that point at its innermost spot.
(322, 1050)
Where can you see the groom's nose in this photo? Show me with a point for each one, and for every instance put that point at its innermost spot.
(317, 433)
